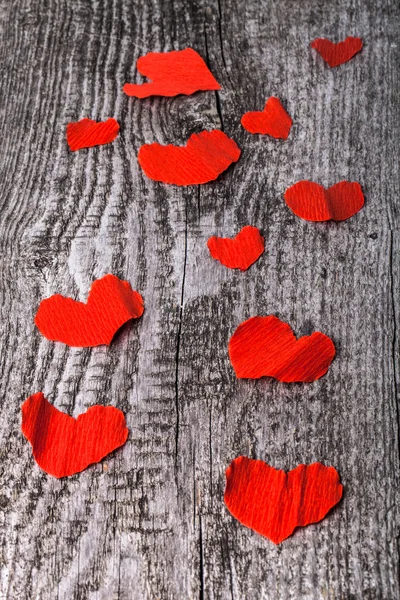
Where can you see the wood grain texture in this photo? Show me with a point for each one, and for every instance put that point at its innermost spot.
(149, 522)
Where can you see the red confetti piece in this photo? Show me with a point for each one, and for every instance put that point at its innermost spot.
(273, 120)
(273, 502)
(267, 347)
(62, 445)
(111, 303)
(239, 252)
(87, 133)
(205, 156)
(172, 73)
(312, 202)
(337, 54)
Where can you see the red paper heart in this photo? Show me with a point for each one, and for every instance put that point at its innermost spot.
(273, 502)
(61, 445)
(205, 156)
(267, 347)
(172, 73)
(312, 202)
(273, 120)
(337, 54)
(87, 133)
(111, 303)
(239, 252)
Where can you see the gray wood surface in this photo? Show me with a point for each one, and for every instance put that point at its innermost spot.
(149, 522)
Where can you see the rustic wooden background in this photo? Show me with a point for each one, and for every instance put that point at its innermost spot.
(149, 522)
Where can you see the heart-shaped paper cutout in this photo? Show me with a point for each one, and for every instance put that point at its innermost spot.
(205, 156)
(62, 445)
(267, 347)
(111, 303)
(172, 73)
(273, 120)
(87, 133)
(312, 202)
(273, 502)
(337, 54)
(241, 251)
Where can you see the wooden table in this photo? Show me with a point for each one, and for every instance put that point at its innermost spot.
(149, 522)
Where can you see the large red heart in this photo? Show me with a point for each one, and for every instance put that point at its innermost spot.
(62, 445)
(266, 346)
(172, 73)
(312, 202)
(273, 502)
(239, 252)
(111, 303)
(87, 133)
(273, 120)
(337, 54)
(205, 156)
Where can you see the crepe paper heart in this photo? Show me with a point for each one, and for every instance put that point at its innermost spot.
(273, 502)
(239, 252)
(312, 202)
(110, 304)
(206, 155)
(267, 347)
(87, 133)
(172, 73)
(337, 54)
(273, 120)
(62, 445)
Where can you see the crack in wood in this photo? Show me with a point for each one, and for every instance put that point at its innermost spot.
(201, 567)
(178, 341)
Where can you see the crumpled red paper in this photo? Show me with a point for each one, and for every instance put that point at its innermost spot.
(312, 202)
(273, 503)
(172, 73)
(206, 155)
(273, 120)
(111, 303)
(337, 54)
(87, 133)
(241, 251)
(62, 445)
(267, 347)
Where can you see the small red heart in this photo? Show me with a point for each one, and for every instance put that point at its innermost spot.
(172, 73)
(62, 445)
(111, 303)
(273, 120)
(205, 156)
(337, 54)
(273, 502)
(267, 347)
(312, 202)
(239, 252)
(87, 133)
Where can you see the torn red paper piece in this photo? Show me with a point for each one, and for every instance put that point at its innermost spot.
(267, 347)
(273, 503)
(110, 304)
(273, 120)
(312, 202)
(87, 133)
(337, 54)
(206, 155)
(62, 445)
(239, 252)
(171, 74)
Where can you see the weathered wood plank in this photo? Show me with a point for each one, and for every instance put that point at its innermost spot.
(149, 522)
